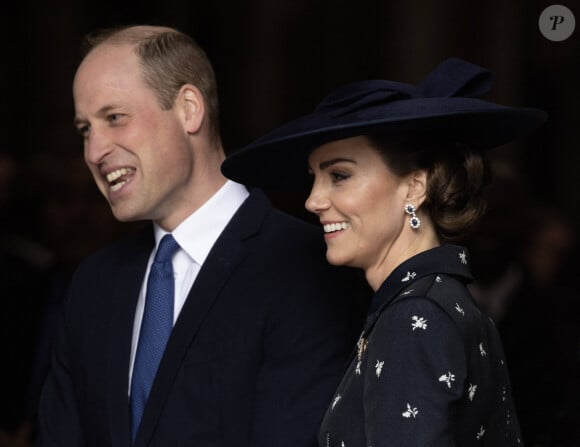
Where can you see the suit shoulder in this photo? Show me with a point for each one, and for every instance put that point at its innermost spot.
(286, 220)
(120, 249)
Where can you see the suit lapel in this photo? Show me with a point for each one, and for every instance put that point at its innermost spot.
(129, 272)
(227, 253)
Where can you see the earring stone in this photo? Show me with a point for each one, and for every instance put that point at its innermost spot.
(414, 221)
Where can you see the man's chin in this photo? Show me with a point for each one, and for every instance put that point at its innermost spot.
(124, 215)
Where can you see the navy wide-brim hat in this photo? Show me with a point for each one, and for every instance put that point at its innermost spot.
(445, 106)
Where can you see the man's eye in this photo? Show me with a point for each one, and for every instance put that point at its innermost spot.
(114, 117)
(83, 131)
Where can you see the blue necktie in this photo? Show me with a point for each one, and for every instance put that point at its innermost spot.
(155, 328)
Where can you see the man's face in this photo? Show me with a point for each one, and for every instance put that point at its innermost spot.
(140, 155)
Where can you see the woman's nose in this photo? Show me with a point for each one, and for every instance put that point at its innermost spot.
(317, 201)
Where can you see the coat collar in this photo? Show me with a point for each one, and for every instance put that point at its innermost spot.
(447, 259)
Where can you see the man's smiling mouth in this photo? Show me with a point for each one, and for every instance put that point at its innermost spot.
(119, 177)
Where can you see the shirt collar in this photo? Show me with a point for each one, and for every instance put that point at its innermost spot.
(197, 234)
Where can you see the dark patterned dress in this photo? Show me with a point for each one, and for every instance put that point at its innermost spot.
(429, 369)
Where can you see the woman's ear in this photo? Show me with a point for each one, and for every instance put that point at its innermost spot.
(417, 191)
(191, 106)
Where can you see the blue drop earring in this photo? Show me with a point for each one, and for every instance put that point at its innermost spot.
(414, 221)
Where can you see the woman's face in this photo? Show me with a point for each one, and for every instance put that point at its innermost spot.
(359, 202)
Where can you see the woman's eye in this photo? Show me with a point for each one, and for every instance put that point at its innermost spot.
(339, 176)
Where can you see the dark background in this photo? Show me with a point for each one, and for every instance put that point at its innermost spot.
(274, 61)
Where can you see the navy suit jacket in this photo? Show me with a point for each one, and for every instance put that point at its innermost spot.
(254, 357)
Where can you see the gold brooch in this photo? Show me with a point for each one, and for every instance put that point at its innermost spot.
(362, 346)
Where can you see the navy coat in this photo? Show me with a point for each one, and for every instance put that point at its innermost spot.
(253, 358)
(429, 369)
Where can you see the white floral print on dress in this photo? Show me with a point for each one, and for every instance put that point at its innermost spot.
(463, 257)
(379, 367)
(410, 275)
(471, 391)
(419, 323)
(335, 401)
(447, 378)
(410, 412)
(482, 350)
(459, 309)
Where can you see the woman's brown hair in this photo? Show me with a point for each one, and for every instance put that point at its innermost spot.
(458, 179)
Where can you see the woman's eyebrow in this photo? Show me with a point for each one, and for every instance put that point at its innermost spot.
(326, 164)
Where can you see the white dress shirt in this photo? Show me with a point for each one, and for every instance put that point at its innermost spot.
(196, 235)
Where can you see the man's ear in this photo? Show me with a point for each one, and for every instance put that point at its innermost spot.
(417, 187)
(191, 105)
